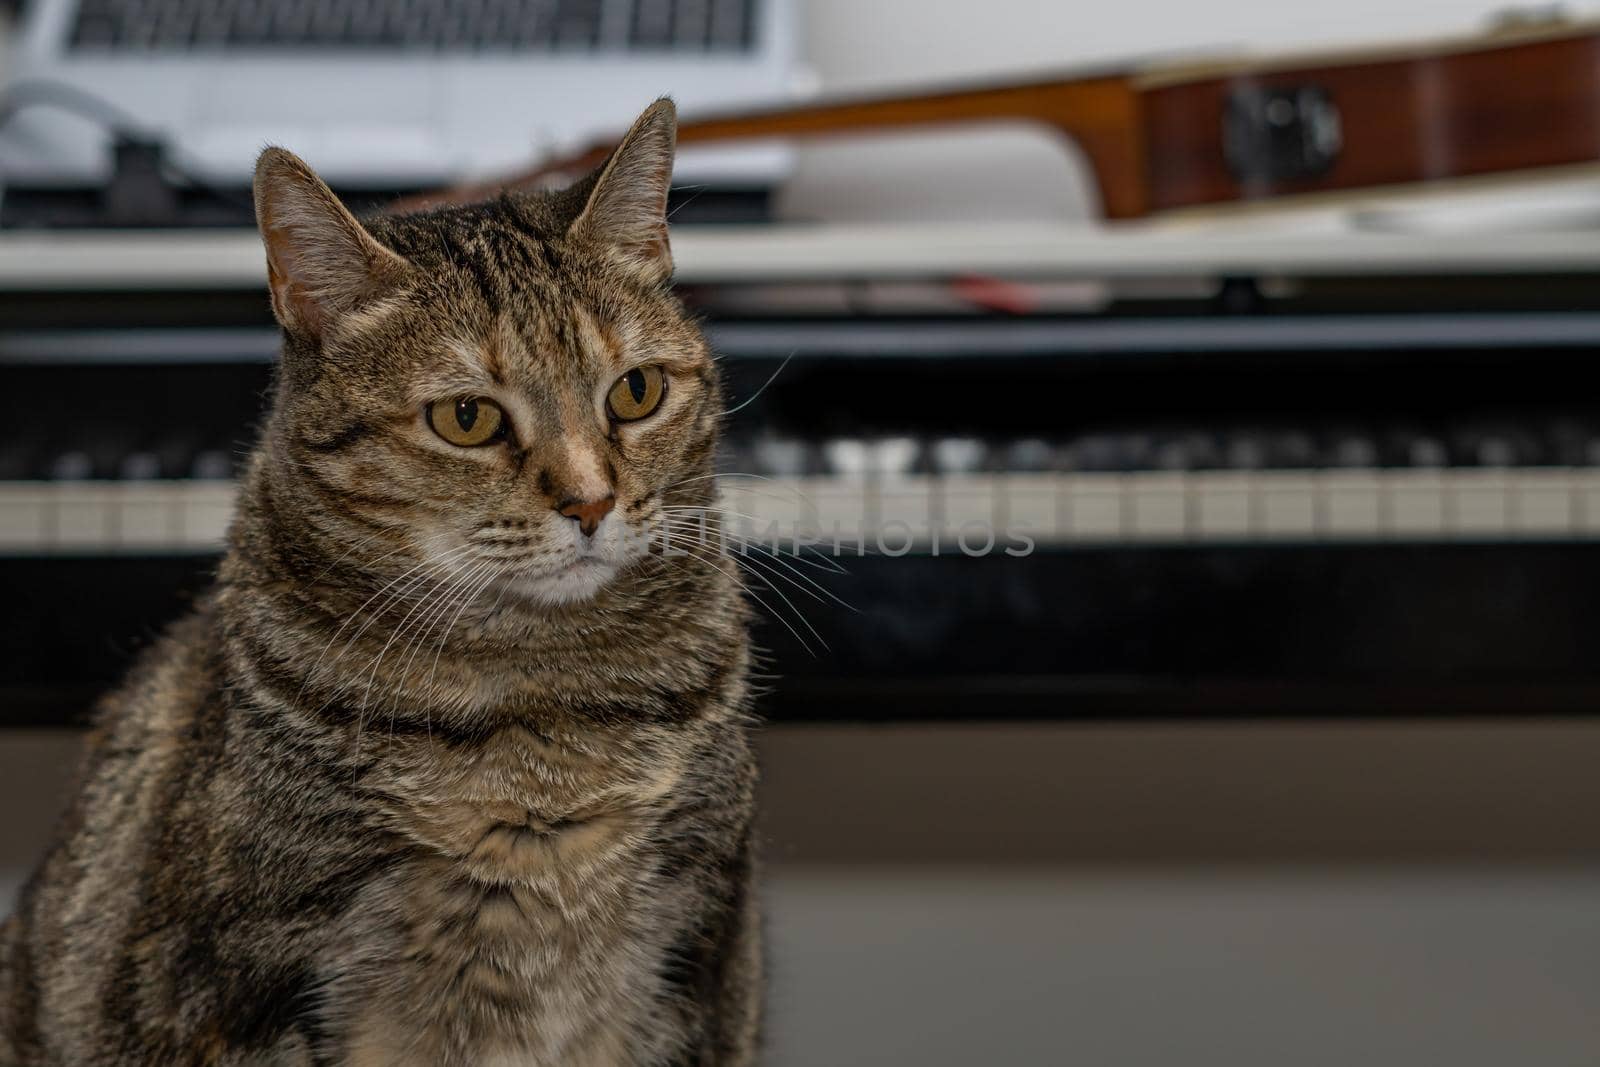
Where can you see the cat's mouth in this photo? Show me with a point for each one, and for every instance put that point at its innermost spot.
(577, 579)
(554, 566)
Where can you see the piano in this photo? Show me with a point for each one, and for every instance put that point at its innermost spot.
(1308, 492)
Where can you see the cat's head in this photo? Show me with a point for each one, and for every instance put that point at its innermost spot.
(506, 394)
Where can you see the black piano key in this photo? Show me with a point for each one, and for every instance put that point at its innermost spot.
(1412, 447)
(1566, 443)
(74, 465)
(141, 466)
(1496, 445)
(1110, 452)
(893, 457)
(845, 457)
(959, 455)
(1245, 450)
(1290, 450)
(1427, 451)
(1496, 450)
(16, 462)
(212, 464)
(1169, 456)
(1351, 450)
(781, 457)
(1030, 455)
(176, 456)
(1188, 452)
(735, 456)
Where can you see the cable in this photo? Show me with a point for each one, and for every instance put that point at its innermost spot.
(41, 92)
(131, 138)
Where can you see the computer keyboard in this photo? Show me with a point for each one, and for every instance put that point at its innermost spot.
(692, 26)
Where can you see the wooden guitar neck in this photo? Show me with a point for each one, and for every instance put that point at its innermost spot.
(1161, 140)
(1098, 113)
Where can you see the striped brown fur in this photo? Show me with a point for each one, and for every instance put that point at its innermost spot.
(423, 780)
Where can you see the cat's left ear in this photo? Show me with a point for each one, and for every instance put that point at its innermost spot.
(627, 208)
(321, 262)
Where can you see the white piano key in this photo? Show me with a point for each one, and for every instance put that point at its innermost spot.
(891, 457)
(739, 509)
(1221, 503)
(150, 514)
(85, 516)
(754, 509)
(1351, 504)
(207, 510)
(1159, 505)
(1094, 505)
(848, 457)
(1286, 504)
(968, 499)
(776, 509)
(908, 503)
(1479, 503)
(1413, 503)
(835, 509)
(1544, 503)
(1586, 501)
(841, 503)
(778, 457)
(26, 516)
(1031, 504)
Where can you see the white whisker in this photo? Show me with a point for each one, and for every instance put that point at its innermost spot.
(769, 381)
(794, 576)
(798, 614)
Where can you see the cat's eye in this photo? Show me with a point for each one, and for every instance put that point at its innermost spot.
(468, 421)
(637, 393)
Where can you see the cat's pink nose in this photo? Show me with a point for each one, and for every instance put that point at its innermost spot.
(588, 513)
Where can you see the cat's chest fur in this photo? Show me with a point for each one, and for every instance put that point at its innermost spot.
(526, 922)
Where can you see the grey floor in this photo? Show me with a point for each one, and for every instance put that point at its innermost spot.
(1120, 895)
(1457, 968)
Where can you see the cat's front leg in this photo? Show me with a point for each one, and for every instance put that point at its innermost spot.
(743, 993)
(729, 965)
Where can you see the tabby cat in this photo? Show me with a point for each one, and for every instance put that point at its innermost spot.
(452, 765)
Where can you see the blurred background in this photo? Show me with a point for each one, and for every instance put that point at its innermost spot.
(1266, 323)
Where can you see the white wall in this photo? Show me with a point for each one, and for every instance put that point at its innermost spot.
(875, 44)
(867, 43)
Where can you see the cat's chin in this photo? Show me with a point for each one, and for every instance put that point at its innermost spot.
(575, 583)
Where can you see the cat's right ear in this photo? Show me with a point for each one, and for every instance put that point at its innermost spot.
(321, 262)
(627, 207)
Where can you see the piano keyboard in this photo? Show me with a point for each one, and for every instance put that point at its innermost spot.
(135, 517)
(946, 512)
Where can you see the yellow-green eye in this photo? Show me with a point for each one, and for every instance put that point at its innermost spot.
(468, 422)
(637, 393)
